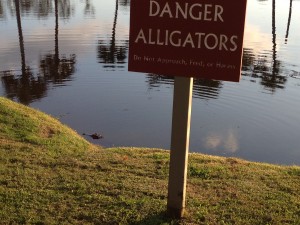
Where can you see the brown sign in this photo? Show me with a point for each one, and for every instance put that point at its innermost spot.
(192, 38)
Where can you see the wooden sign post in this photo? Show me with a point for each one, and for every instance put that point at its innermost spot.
(185, 39)
(182, 107)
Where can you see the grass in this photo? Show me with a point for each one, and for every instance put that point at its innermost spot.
(51, 175)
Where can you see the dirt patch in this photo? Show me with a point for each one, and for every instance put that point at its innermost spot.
(46, 132)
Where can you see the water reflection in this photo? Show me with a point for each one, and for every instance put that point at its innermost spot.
(40, 8)
(124, 3)
(24, 88)
(266, 66)
(2, 15)
(27, 86)
(262, 67)
(203, 89)
(207, 89)
(52, 66)
(65, 8)
(113, 54)
(225, 141)
(289, 22)
(275, 79)
(89, 9)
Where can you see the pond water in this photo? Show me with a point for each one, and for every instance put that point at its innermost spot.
(69, 59)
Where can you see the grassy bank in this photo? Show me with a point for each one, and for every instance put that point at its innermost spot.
(50, 175)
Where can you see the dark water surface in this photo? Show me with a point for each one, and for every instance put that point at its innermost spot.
(69, 59)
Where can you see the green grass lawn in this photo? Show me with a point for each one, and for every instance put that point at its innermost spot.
(51, 175)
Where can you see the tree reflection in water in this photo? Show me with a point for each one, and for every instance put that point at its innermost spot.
(89, 9)
(27, 86)
(52, 67)
(207, 89)
(2, 15)
(64, 8)
(204, 89)
(266, 66)
(110, 54)
(39, 8)
(24, 88)
(289, 22)
(124, 3)
(267, 70)
(274, 80)
(57, 69)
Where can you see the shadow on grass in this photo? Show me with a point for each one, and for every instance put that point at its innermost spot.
(158, 219)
